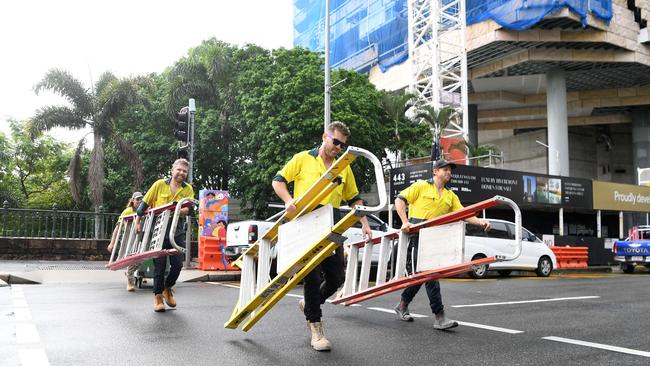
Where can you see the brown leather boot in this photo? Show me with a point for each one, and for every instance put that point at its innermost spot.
(168, 295)
(158, 304)
(130, 283)
(318, 340)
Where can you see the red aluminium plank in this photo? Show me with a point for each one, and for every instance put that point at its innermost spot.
(415, 279)
(138, 258)
(462, 214)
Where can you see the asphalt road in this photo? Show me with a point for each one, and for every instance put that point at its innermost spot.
(102, 324)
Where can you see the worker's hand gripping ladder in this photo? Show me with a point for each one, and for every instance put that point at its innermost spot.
(134, 247)
(356, 287)
(258, 293)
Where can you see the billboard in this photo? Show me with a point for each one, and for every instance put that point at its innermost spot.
(473, 184)
(621, 197)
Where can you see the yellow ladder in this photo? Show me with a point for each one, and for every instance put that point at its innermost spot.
(258, 293)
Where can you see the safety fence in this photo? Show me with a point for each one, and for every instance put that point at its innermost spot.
(571, 257)
(55, 223)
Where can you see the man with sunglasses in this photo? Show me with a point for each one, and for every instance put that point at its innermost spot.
(131, 206)
(303, 170)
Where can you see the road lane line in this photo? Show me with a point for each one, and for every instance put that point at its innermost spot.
(599, 345)
(391, 311)
(489, 327)
(223, 284)
(526, 301)
(22, 315)
(33, 357)
(26, 333)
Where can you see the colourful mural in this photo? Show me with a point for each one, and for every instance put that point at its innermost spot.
(213, 213)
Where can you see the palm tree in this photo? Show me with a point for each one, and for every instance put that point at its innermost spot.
(484, 151)
(96, 108)
(438, 120)
(395, 106)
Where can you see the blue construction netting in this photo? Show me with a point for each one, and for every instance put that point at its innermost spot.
(365, 33)
(523, 14)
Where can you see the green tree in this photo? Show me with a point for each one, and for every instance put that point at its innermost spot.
(7, 191)
(37, 169)
(209, 75)
(409, 137)
(96, 109)
(281, 100)
(438, 120)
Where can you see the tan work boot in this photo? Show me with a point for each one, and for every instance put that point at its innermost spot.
(158, 304)
(168, 295)
(301, 305)
(441, 322)
(318, 340)
(130, 283)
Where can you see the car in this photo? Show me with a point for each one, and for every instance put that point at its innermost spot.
(499, 240)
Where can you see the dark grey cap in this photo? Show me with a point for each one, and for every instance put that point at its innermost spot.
(442, 163)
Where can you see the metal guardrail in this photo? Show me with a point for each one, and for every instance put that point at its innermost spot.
(55, 224)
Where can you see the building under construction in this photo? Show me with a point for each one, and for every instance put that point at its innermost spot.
(562, 87)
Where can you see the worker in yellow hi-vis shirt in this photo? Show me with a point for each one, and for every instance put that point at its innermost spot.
(303, 170)
(162, 192)
(428, 199)
(131, 206)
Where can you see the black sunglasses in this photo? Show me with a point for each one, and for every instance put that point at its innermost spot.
(338, 142)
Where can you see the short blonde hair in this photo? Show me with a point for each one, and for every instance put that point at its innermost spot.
(181, 161)
(339, 126)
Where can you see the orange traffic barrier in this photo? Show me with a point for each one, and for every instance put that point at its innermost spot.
(211, 257)
(571, 257)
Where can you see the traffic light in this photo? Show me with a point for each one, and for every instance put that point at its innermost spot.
(182, 123)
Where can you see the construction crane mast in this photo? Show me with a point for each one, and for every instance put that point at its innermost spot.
(438, 59)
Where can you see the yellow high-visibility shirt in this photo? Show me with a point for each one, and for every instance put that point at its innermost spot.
(425, 203)
(160, 193)
(306, 167)
(127, 211)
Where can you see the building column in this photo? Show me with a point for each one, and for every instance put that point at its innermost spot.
(472, 124)
(558, 130)
(640, 138)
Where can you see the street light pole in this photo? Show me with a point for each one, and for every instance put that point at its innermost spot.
(328, 86)
(557, 154)
(190, 176)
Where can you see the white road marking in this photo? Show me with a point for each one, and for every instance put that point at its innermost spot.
(489, 327)
(391, 311)
(22, 315)
(18, 303)
(526, 301)
(223, 284)
(26, 333)
(33, 357)
(599, 345)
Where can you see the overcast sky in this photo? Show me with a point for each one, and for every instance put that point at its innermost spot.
(128, 38)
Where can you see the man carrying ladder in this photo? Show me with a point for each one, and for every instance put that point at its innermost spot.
(162, 192)
(428, 199)
(304, 169)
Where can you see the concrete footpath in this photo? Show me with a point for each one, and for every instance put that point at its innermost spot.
(36, 272)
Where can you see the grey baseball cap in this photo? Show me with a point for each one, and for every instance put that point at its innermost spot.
(136, 195)
(442, 163)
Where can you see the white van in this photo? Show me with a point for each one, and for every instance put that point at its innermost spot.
(500, 240)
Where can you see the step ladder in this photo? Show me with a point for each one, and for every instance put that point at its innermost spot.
(357, 283)
(133, 247)
(258, 293)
